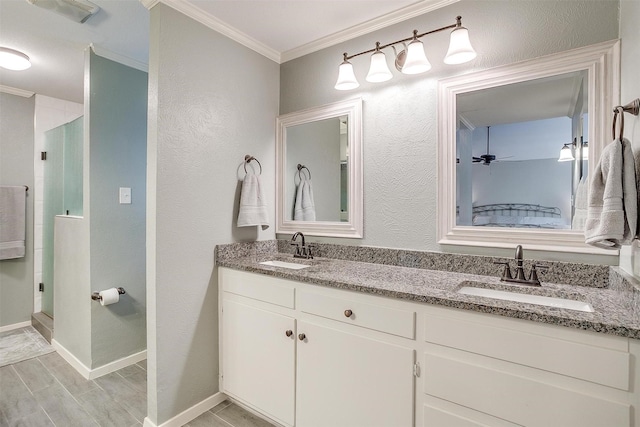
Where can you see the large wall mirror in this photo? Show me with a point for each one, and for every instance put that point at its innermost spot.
(319, 176)
(516, 145)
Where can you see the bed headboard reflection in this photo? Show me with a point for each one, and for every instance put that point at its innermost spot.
(522, 215)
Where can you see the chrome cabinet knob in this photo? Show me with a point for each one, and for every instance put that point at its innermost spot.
(348, 313)
(302, 337)
(289, 333)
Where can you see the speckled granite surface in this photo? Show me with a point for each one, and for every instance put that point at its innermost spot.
(616, 307)
(558, 272)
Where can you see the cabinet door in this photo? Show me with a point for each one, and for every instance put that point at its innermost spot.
(258, 359)
(348, 380)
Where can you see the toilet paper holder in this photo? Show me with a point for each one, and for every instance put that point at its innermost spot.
(96, 295)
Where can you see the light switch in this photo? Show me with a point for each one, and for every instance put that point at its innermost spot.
(125, 196)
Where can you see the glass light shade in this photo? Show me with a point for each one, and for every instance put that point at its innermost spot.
(379, 70)
(460, 49)
(13, 60)
(565, 154)
(416, 61)
(346, 78)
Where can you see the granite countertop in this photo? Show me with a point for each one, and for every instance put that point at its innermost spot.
(616, 311)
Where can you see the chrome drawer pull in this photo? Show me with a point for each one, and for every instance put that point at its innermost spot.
(348, 313)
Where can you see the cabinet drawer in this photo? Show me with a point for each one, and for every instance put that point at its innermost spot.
(257, 286)
(384, 319)
(519, 399)
(535, 347)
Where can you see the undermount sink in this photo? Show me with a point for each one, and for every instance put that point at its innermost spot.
(527, 298)
(284, 264)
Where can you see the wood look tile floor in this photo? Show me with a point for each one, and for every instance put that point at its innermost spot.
(47, 391)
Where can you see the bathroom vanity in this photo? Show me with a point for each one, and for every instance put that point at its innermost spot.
(347, 343)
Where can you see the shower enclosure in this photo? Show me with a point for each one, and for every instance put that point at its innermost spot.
(62, 193)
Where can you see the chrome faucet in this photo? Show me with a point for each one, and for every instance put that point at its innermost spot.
(521, 278)
(302, 250)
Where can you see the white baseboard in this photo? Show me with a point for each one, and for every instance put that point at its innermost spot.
(15, 326)
(91, 374)
(118, 364)
(71, 359)
(189, 414)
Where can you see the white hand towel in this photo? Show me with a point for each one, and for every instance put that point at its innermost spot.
(581, 202)
(613, 198)
(12, 221)
(253, 206)
(305, 208)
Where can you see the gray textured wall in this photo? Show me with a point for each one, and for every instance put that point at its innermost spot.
(117, 122)
(400, 116)
(630, 90)
(16, 168)
(211, 102)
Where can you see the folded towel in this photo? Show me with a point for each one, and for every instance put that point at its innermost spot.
(253, 207)
(580, 205)
(304, 208)
(12, 221)
(612, 210)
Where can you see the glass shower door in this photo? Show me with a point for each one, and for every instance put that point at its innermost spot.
(54, 146)
(72, 168)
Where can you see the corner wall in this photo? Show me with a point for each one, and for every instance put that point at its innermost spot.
(211, 102)
(106, 247)
(16, 168)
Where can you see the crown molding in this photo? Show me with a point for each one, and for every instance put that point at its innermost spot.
(194, 12)
(223, 28)
(16, 91)
(149, 3)
(124, 60)
(366, 27)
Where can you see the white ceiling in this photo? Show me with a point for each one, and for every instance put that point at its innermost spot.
(280, 30)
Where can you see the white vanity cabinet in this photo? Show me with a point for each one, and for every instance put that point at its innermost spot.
(258, 343)
(359, 360)
(485, 370)
(347, 362)
(355, 375)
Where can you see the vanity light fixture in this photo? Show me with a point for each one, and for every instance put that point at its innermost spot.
(566, 152)
(410, 60)
(378, 71)
(13, 60)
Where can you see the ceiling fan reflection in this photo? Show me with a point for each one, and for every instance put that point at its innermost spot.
(487, 158)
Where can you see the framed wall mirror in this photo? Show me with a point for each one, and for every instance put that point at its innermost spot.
(319, 171)
(502, 180)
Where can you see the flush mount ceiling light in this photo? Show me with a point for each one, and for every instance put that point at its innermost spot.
(13, 60)
(76, 10)
(410, 60)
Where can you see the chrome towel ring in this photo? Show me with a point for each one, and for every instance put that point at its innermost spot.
(633, 107)
(300, 167)
(247, 159)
